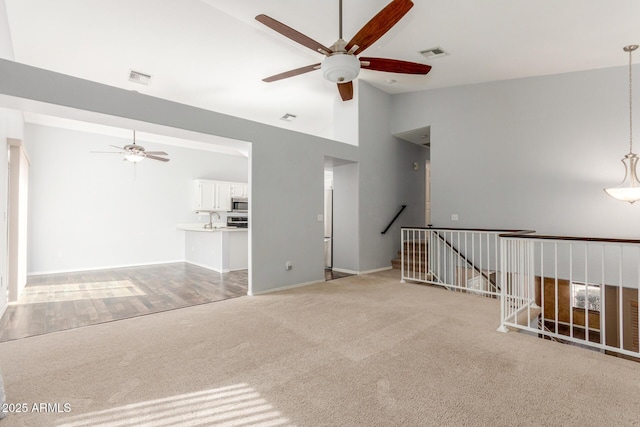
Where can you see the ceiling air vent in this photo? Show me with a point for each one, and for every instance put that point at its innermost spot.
(434, 52)
(138, 77)
(288, 117)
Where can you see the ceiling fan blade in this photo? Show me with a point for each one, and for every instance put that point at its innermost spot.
(107, 152)
(157, 153)
(292, 73)
(346, 91)
(379, 25)
(162, 159)
(115, 146)
(292, 34)
(394, 66)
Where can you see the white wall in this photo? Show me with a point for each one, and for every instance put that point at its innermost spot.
(90, 211)
(531, 153)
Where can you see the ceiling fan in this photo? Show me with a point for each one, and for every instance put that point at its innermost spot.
(135, 153)
(341, 64)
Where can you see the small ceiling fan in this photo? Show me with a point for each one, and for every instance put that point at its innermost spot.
(135, 153)
(341, 64)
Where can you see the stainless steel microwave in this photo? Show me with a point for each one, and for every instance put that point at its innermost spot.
(239, 204)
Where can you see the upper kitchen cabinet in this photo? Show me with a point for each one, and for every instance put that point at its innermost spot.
(212, 195)
(239, 189)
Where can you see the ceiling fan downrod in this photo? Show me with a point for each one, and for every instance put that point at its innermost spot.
(340, 20)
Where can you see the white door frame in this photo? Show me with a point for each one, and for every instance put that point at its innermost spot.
(17, 218)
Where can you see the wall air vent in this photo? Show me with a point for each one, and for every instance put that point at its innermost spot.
(434, 52)
(138, 77)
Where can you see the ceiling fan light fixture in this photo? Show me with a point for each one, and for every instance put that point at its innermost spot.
(134, 157)
(340, 68)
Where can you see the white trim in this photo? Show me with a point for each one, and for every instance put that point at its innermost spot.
(39, 273)
(206, 266)
(375, 270)
(284, 288)
(3, 310)
(344, 270)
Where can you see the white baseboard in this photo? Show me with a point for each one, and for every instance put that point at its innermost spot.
(206, 266)
(109, 267)
(344, 270)
(376, 270)
(284, 288)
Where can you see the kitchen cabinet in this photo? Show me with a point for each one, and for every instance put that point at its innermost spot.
(239, 189)
(221, 249)
(212, 195)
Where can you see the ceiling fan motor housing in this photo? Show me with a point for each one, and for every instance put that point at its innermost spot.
(340, 67)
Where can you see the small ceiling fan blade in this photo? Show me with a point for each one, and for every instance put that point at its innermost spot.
(157, 153)
(162, 159)
(292, 73)
(292, 34)
(379, 25)
(108, 152)
(115, 146)
(394, 66)
(346, 91)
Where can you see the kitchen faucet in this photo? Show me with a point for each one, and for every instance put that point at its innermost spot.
(209, 226)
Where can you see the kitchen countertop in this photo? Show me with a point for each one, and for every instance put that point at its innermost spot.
(200, 227)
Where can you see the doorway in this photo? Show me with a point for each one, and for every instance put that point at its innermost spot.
(340, 193)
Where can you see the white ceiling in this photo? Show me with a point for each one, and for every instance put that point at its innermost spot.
(213, 54)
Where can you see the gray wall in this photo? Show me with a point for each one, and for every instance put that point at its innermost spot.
(530, 153)
(286, 169)
(89, 211)
(387, 180)
(346, 227)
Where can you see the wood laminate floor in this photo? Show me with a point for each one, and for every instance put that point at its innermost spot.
(56, 302)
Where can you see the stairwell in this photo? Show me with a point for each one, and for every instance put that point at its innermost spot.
(415, 258)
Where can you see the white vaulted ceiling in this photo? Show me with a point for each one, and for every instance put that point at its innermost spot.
(213, 54)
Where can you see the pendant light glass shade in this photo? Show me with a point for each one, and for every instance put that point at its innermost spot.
(629, 189)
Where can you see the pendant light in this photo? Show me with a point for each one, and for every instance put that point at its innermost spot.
(629, 189)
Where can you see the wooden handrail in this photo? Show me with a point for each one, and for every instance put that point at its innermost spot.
(393, 220)
(569, 238)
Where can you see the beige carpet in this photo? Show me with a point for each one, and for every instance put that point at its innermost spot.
(359, 351)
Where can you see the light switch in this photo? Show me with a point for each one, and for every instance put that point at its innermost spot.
(320, 217)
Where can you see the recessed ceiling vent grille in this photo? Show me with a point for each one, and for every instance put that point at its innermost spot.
(138, 77)
(434, 52)
(288, 117)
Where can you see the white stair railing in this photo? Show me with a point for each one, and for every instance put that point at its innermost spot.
(465, 260)
(585, 290)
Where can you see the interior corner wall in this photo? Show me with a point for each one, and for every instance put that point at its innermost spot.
(532, 153)
(346, 228)
(387, 181)
(11, 126)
